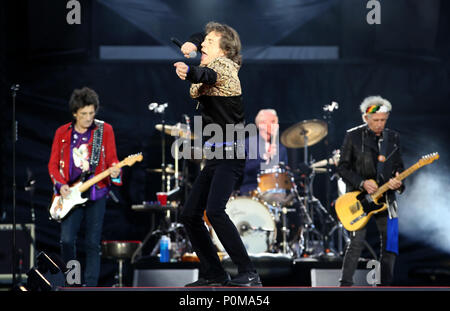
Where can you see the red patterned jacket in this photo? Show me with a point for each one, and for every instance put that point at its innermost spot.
(59, 163)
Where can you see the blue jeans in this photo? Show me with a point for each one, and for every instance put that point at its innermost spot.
(92, 212)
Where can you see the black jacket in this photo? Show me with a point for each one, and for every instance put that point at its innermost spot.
(359, 158)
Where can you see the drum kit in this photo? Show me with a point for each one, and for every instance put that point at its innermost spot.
(282, 214)
(278, 218)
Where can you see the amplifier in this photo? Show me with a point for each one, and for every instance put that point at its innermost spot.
(25, 235)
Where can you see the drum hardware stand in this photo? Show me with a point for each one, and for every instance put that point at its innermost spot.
(309, 228)
(337, 226)
(284, 229)
(166, 228)
(309, 225)
(342, 236)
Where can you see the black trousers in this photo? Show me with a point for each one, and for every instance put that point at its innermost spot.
(355, 247)
(210, 192)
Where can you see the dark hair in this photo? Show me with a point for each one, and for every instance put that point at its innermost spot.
(229, 41)
(81, 98)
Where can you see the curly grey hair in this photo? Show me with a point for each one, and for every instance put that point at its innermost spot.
(385, 105)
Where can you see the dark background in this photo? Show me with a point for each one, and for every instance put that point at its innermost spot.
(404, 59)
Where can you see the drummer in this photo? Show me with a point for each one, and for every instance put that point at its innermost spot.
(269, 152)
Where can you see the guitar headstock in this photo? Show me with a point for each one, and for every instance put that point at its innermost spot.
(131, 159)
(428, 159)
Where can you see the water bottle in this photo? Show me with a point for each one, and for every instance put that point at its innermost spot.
(164, 247)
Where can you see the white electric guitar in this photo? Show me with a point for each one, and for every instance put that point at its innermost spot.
(62, 206)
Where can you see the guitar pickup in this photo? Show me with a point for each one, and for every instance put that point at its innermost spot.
(355, 207)
(358, 218)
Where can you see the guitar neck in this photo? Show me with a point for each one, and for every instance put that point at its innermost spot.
(381, 190)
(89, 183)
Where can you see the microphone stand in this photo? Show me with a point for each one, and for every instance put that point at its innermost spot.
(328, 109)
(157, 108)
(14, 89)
(327, 117)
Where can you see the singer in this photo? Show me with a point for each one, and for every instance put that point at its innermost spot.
(217, 88)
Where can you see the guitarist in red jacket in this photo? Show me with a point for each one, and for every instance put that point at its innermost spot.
(371, 152)
(82, 148)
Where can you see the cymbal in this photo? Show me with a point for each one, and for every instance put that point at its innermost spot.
(177, 130)
(169, 170)
(294, 136)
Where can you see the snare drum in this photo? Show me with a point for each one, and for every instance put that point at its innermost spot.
(274, 185)
(254, 222)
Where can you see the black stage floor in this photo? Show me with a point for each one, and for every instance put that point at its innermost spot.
(275, 270)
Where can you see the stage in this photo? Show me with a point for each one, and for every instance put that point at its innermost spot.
(275, 270)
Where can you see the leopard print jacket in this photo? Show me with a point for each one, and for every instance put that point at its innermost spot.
(227, 83)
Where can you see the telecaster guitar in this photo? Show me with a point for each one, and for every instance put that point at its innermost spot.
(354, 209)
(60, 206)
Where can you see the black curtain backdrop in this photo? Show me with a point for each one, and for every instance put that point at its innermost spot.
(416, 85)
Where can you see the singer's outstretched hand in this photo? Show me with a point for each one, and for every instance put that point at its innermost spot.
(181, 69)
(187, 48)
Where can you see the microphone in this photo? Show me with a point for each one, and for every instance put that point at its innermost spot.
(178, 43)
(157, 108)
(152, 106)
(330, 108)
(162, 107)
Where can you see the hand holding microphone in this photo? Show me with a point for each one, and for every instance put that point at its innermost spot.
(188, 49)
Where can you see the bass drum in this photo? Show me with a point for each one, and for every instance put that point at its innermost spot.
(254, 222)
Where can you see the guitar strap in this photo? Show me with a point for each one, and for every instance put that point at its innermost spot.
(96, 150)
(96, 146)
(392, 221)
(382, 156)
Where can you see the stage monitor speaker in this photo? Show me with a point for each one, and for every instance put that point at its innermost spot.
(330, 277)
(24, 246)
(164, 277)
